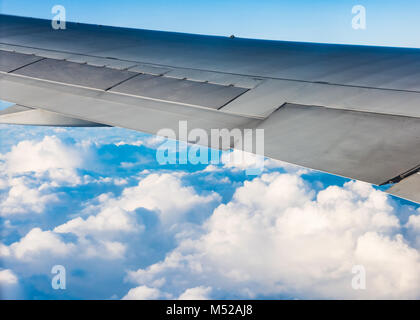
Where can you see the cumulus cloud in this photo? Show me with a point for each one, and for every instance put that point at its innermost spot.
(50, 156)
(95, 233)
(142, 293)
(413, 226)
(414, 222)
(278, 238)
(7, 277)
(4, 250)
(22, 199)
(3, 183)
(163, 193)
(148, 141)
(198, 293)
(32, 169)
(38, 242)
(393, 267)
(109, 221)
(238, 160)
(103, 249)
(117, 216)
(50, 153)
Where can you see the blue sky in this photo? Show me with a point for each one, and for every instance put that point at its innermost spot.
(97, 202)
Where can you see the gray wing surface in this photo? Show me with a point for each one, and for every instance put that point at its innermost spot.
(353, 111)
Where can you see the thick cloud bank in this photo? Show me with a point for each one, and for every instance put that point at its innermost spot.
(276, 239)
(126, 227)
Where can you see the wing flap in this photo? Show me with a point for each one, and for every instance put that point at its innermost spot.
(271, 94)
(180, 90)
(408, 188)
(170, 89)
(74, 73)
(10, 61)
(364, 146)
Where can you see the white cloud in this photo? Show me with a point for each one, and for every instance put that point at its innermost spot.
(136, 143)
(120, 182)
(392, 266)
(413, 226)
(50, 157)
(4, 250)
(211, 168)
(108, 250)
(142, 293)
(150, 142)
(91, 243)
(414, 222)
(242, 160)
(3, 183)
(95, 233)
(38, 242)
(45, 164)
(163, 193)
(274, 238)
(7, 277)
(50, 153)
(117, 216)
(109, 221)
(198, 293)
(21, 199)
(154, 141)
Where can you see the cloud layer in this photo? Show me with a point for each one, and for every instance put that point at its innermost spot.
(275, 239)
(126, 227)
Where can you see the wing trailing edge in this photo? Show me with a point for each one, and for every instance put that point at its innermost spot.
(21, 115)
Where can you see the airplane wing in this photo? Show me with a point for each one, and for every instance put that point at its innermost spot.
(353, 111)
